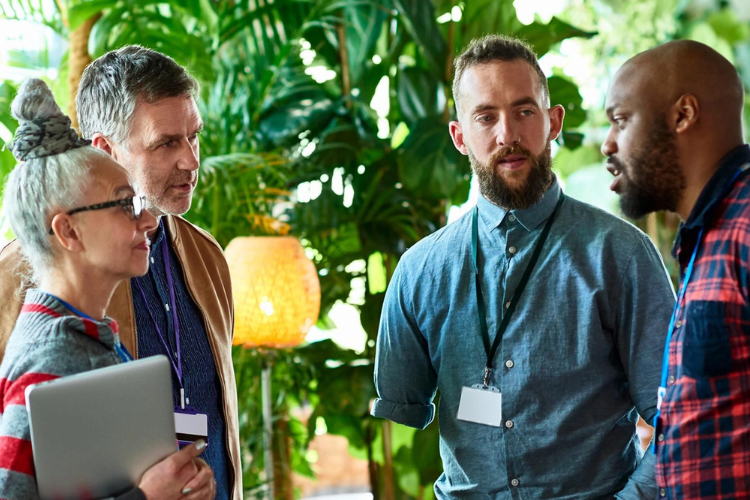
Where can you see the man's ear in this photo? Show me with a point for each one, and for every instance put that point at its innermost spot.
(684, 113)
(65, 234)
(100, 141)
(458, 137)
(556, 117)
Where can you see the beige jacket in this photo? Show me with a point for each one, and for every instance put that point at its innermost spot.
(207, 279)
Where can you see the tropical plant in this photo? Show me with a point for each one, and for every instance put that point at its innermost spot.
(327, 119)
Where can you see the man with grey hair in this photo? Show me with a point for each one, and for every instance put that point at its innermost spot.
(538, 317)
(139, 106)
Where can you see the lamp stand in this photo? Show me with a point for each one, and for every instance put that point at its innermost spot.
(265, 386)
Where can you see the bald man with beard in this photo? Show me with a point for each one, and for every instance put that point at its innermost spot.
(676, 144)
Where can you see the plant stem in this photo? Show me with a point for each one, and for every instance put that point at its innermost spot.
(346, 84)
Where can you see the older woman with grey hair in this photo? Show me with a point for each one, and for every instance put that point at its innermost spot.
(83, 229)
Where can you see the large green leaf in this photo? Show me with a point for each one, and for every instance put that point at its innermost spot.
(484, 17)
(429, 164)
(283, 124)
(363, 25)
(419, 17)
(417, 94)
(565, 93)
(543, 36)
(727, 26)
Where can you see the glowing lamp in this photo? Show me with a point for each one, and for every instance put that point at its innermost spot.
(276, 291)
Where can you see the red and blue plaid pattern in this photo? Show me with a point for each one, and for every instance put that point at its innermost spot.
(703, 433)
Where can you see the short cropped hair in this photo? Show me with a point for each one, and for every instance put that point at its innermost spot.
(112, 85)
(495, 48)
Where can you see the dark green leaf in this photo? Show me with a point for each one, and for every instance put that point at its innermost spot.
(565, 93)
(484, 17)
(543, 36)
(417, 94)
(420, 19)
(429, 164)
(571, 140)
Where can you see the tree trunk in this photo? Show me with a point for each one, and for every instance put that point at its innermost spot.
(79, 58)
(282, 461)
(389, 489)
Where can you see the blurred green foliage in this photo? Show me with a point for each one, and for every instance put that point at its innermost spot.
(289, 98)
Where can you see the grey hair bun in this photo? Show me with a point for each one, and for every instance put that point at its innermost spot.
(43, 129)
(35, 102)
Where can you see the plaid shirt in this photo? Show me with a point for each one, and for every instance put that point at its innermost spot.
(703, 432)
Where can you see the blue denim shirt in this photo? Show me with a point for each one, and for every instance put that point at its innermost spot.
(579, 361)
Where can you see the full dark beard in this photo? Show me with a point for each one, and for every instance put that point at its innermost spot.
(660, 181)
(498, 191)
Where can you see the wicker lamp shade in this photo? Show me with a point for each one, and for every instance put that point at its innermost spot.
(276, 291)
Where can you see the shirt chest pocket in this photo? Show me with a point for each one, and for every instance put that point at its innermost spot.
(706, 350)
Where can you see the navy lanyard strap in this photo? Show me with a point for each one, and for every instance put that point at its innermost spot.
(491, 351)
(176, 363)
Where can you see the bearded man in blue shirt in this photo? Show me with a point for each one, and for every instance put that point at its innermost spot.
(539, 318)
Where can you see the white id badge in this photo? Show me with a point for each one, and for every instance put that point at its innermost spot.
(482, 405)
(190, 426)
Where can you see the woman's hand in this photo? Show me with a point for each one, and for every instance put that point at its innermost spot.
(180, 475)
(202, 486)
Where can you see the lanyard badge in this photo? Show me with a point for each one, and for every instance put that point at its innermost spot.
(482, 403)
(190, 425)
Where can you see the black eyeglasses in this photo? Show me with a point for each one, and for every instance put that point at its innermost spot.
(136, 204)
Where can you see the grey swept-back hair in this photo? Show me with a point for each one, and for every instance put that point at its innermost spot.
(491, 48)
(52, 175)
(112, 85)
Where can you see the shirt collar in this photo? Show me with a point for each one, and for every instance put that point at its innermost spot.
(529, 218)
(714, 190)
(159, 234)
(104, 331)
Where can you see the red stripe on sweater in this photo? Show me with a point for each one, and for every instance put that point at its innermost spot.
(13, 392)
(39, 308)
(91, 329)
(16, 455)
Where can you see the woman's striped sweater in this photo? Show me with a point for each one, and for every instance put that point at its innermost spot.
(47, 342)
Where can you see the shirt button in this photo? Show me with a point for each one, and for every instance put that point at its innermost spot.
(678, 324)
(670, 380)
(152, 260)
(662, 492)
(514, 482)
(512, 250)
(507, 304)
(509, 363)
(512, 218)
(509, 424)
(660, 438)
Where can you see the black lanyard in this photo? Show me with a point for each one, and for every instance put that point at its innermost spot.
(491, 351)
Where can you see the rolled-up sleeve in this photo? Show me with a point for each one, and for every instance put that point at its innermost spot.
(404, 376)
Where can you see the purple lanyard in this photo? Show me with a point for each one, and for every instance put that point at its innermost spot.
(172, 307)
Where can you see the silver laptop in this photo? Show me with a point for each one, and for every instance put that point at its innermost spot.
(94, 434)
